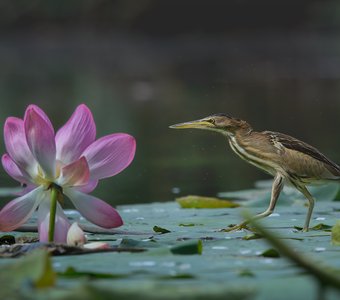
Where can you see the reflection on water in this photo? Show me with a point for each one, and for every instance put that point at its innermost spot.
(142, 85)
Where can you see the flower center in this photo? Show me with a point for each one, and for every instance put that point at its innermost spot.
(42, 179)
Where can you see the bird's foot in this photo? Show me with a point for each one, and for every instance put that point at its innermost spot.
(235, 227)
(305, 229)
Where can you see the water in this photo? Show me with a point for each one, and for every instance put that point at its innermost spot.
(141, 84)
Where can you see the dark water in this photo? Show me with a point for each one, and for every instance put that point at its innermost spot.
(141, 84)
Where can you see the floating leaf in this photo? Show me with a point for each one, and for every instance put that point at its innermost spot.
(322, 226)
(246, 273)
(325, 275)
(139, 246)
(204, 202)
(188, 248)
(225, 256)
(253, 236)
(153, 291)
(177, 276)
(318, 227)
(289, 195)
(17, 250)
(24, 239)
(71, 272)
(160, 230)
(273, 253)
(336, 234)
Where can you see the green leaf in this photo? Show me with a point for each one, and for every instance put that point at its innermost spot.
(336, 234)
(132, 243)
(160, 230)
(35, 268)
(158, 270)
(188, 248)
(253, 236)
(47, 277)
(71, 272)
(178, 289)
(318, 227)
(177, 276)
(322, 226)
(204, 202)
(273, 253)
(246, 273)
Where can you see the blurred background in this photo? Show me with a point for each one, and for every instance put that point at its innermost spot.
(143, 65)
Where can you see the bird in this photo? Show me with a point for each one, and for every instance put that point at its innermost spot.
(289, 160)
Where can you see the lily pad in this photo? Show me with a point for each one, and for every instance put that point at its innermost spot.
(261, 194)
(205, 202)
(253, 236)
(173, 265)
(71, 272)
(273, 253)
(317, 227)
(188, 248)
(160, 230)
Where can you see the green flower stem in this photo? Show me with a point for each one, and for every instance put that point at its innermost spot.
(53, 210)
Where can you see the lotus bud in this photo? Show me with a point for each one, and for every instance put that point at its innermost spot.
(75, 235)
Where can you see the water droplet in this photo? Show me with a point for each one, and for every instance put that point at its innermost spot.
(319, 249)
(70, 212)
(268, 261)
(219, 248)
(245, 251)
(274, 215)
(147, 240)
(175, 190)
(320, 219)
(184, 266)
(131, 210)
(142, 263)
(140, 218)
(169, 264)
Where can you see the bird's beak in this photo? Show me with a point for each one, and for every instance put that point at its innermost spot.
(202, 124)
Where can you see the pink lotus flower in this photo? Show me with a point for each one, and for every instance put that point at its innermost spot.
(51, 165)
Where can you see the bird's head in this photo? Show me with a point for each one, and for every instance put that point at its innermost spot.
(218, 122)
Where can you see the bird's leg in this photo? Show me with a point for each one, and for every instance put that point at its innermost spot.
(311, 201)
(276, 190)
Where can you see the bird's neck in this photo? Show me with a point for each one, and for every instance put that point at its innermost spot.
(241, 130)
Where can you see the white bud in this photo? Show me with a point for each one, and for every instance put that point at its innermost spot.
(75, 235)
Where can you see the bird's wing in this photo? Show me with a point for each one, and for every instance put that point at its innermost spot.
(297, 145)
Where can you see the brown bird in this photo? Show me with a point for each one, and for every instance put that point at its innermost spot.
(286, 158)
